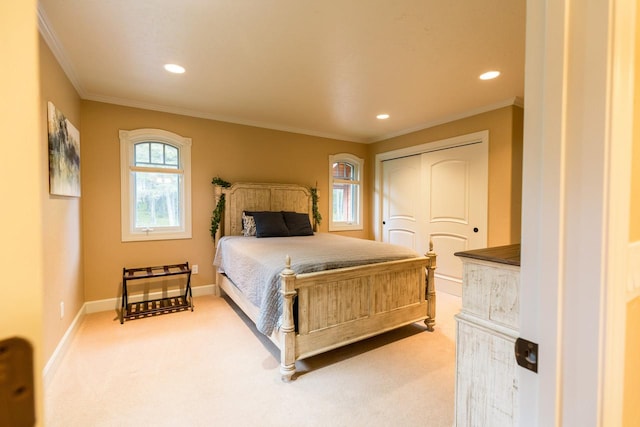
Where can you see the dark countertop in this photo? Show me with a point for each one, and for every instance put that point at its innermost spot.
(509, 254)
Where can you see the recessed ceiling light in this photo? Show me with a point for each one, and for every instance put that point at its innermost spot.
(174, 68)
(382, 116)
(489, 75)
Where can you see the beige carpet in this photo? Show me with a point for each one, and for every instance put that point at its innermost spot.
(212, 368)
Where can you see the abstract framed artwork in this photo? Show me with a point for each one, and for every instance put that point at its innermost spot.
(64, 154)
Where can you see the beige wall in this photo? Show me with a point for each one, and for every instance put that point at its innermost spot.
(242, 153)
(631, 411)
(634, 225)
(234, 152)
(505, 164)
(61, 216)
(21, 255)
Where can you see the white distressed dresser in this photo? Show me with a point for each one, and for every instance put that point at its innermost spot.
(487, 325)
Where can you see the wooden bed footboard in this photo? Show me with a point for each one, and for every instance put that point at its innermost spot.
(338, 307)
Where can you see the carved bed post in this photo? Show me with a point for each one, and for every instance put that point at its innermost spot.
(430, 321)
(288, 340)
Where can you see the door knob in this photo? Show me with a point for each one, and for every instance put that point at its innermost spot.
(384, 222)
(475, 229)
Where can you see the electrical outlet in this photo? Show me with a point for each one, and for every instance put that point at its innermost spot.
(194, 269)
(61, 309)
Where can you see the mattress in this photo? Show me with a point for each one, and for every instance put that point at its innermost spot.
(254, 264)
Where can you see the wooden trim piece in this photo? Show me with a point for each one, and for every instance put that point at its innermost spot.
(633, 265)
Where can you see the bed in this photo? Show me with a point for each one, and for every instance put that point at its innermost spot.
(316, 309)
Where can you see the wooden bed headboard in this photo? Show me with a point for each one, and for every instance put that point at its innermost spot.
(261, 197)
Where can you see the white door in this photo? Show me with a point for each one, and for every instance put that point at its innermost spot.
(574, 237)
(402, 212)
(439, 196)
(456, 208)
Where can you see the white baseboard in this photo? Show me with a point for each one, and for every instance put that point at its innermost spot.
(61, 349)
(449, 287)
(105, 305)
(633, 282)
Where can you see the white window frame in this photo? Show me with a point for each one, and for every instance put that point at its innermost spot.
(358, 164)
(128, 140)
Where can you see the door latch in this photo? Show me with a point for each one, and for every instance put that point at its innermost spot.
(17, 402)
(527, 354)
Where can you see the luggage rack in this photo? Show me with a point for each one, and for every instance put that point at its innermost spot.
(136, 310)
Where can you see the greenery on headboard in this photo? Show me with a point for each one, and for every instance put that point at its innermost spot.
(317, 218)
(216, 215)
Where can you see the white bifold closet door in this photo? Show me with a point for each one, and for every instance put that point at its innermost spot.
(439, 196)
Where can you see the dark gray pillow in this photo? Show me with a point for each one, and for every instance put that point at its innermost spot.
(270, 224)
(298, 224)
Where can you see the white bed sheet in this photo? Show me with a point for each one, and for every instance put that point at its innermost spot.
(254, 264)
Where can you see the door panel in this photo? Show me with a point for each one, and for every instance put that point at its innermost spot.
(449, 269)
(402, 216)
(439, 196)
(456, 207)
(449, 184)
(402, 237)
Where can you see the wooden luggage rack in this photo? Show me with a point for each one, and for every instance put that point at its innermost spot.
(145, 308)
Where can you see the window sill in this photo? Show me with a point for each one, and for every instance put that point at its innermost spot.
(143, 237)
(345, 227)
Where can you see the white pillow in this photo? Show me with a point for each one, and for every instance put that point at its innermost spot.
(248, 225)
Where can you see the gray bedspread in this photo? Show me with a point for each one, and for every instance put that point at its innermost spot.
(254, 264)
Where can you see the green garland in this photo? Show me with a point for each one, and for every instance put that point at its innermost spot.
(317, 218)
(220, 182)
(216, 215)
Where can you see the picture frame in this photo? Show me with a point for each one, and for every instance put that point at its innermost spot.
(64, 154)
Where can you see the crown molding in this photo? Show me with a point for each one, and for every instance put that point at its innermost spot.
(221, 118)
(49, 36)
(516, 100)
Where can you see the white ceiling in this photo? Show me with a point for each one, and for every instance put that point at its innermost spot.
(315, 67)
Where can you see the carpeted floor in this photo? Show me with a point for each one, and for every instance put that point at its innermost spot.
(212, 368)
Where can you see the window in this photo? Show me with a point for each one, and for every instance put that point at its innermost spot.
(155, 167)
(345, 198)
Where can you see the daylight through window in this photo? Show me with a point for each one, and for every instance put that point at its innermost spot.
(346, 192)
(155, 185)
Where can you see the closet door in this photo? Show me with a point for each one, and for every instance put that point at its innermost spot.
(439, 196)
(456, 207)
(403, 215)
